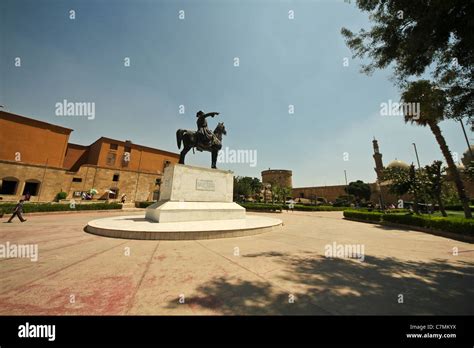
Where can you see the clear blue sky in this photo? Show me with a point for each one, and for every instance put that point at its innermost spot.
(190, 62)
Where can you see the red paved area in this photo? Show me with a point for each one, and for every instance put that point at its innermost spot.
(283, 272)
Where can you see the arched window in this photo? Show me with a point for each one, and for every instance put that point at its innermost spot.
(31, 187)
(9, 186)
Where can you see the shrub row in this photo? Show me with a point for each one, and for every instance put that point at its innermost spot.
(7, 208)
(456, 207)
(453, 224)
(262, 206)
(301, 207)
(279, 207)
(374, 216)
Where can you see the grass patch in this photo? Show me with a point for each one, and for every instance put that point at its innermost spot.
(453, 224)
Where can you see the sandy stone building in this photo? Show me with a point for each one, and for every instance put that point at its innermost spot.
(36, 158)
(281, 177)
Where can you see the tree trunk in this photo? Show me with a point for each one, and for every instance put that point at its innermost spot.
(452, 168)
(441, 206)
(415, 204)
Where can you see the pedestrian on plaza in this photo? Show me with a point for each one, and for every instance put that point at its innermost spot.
(124, 198)
(18, 211)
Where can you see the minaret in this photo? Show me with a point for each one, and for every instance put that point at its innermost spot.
(378, 159)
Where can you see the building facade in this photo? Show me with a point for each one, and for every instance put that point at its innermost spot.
(37, 160)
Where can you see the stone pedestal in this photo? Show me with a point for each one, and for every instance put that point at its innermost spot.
(191, 193)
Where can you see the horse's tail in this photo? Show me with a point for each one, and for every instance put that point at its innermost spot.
(179, 137)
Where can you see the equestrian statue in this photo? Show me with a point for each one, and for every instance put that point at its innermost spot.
(203, 139)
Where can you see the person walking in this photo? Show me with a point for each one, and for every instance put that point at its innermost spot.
(124, 198)
(18, 211)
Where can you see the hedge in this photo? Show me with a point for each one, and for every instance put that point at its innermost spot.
(262, 207)
(301, 207)
(363, 215)
(7, 208)
(456, 207)
(453, 224)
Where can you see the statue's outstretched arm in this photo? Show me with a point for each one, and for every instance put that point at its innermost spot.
(211, 114)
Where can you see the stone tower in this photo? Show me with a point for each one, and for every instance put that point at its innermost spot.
(378, 159)
(280, 177)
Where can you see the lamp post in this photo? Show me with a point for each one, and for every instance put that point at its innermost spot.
(416, 153)
(467, 140)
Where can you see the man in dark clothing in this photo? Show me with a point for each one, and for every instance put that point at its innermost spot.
(206, 136)
(18, 211)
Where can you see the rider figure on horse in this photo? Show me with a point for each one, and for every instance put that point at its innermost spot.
(206, 137)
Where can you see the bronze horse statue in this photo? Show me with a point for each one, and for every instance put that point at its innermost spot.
(190, 141)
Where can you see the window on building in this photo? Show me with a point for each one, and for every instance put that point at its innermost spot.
(31, 187)
(126, 158)
(8, 186)
(111, 157)
(113, 146)
(166, 164)
(116, 177)
(76, 179)
(156, 195)
(158, 181)
(128, 149)
(301, 194)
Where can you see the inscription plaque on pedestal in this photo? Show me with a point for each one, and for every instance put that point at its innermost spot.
(205, 185)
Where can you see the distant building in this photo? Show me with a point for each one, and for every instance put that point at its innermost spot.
(36, 158)
(281, 177)
(330, 193)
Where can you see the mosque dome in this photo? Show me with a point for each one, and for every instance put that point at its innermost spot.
(398, 164)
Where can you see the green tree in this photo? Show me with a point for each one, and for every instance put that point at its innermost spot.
(420, 36)
(432, 103)
(411, 181)
(256, 186)
(450, 194)
(246, 186)
(435, 176)
(470, 171)
(359, 189)
(285, 192)
(242, 187)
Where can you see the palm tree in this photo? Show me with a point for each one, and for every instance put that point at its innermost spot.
(435, 178)
(432, 103)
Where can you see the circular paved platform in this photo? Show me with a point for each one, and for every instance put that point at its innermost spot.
(137, 227)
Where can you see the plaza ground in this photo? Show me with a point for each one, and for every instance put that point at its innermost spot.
(280, 272)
